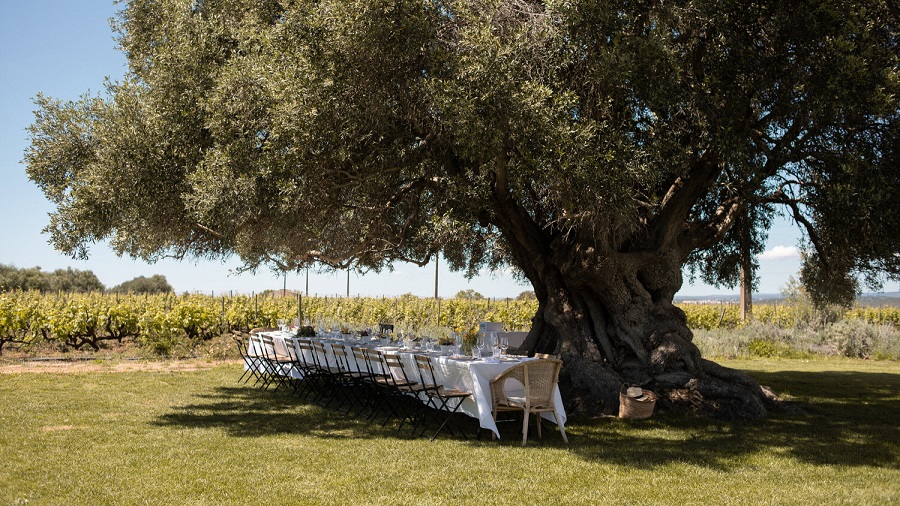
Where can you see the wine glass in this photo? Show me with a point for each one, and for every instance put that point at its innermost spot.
(282, 324)
(504, 345)
(490, 341)
(479, 343)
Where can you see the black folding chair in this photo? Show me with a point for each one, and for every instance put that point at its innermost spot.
(398, 389)
(328, 373)
(278, 365)
(370, 395)
(251, 362)
(444, 401)
(346, 380)
(315, 379)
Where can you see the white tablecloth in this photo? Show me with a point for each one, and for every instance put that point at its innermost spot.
(456, 373)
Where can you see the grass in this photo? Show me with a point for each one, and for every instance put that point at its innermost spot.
(197, 437)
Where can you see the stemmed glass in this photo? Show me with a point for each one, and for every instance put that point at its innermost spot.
(479, 343)
(476, 353)
(492, 340)
(504, 345)
(282, 324)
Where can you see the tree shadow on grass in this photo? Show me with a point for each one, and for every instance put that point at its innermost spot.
(847, 419)
(844, 419)
(245, 411)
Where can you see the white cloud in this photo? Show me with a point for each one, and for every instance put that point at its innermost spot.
(780, 253)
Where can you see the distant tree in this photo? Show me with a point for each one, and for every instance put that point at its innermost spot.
(12, 278)
(154, 284)
(60, 280)
(526, 295)
(73, 280)
(468, 294)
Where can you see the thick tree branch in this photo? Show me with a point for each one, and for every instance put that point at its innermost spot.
(707, 234)
(794, 205)
(681, 197)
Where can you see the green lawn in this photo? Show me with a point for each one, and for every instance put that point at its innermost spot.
(200, 438)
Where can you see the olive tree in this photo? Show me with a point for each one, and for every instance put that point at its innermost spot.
(598, 148)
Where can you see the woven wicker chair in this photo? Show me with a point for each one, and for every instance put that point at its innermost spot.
(539, 378)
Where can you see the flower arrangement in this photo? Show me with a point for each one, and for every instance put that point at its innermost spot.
(445, 340)
(306, 331)
(470, 336)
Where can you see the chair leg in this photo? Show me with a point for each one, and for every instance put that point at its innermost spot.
(448, 413)
(525, 427)
(537, 417)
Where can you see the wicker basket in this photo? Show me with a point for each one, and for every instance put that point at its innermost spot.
(636, 408)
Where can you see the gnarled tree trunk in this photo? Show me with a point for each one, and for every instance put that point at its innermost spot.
(609, 315)
(613, 322)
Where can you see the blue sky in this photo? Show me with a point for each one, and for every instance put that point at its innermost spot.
(65, 48)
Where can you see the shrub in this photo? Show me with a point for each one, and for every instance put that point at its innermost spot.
(768, 348)
(851, 338)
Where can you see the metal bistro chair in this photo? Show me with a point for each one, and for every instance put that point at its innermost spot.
(368, 375)
(253, 356)
(539, 378)
(379, 382)
(251, 361)
(314, 378)
(398, 389)
(328, 372)
(279, 366)
(346, 380)
(443, 400)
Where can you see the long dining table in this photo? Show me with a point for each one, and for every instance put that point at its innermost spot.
(452, 371)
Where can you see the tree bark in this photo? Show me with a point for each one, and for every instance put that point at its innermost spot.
(612, 321)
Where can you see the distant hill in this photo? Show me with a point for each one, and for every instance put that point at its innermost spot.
(880, 299)
(866, 299)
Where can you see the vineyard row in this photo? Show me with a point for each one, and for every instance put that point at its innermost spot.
(78, 320)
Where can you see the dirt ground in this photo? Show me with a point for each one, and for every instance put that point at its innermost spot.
(115, 365)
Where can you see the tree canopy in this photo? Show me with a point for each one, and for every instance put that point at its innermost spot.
(595, 147)
(371, 131)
